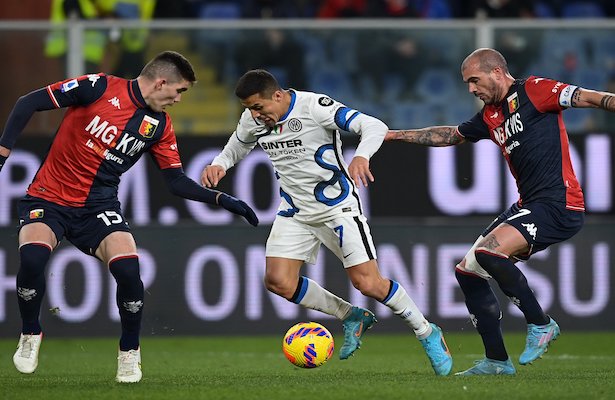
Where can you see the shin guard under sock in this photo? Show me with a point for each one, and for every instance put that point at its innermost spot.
(311, 295)
(129, 298)
(514, 285)
(31, 284)
(485, 313)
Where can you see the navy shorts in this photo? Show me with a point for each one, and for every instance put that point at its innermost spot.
(84, 227)
(541, 224)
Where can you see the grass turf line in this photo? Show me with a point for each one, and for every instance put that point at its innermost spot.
(578, 365)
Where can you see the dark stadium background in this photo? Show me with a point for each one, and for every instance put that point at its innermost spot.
(203, 271)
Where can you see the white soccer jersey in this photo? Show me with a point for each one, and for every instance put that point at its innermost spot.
(306, 151)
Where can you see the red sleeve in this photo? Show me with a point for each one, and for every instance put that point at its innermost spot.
(165, 151)
(545, 93)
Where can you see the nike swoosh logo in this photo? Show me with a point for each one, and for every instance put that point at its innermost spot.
(359, 331)
(348, 254)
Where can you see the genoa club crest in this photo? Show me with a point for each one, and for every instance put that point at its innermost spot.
(513, 102)
(148, 126)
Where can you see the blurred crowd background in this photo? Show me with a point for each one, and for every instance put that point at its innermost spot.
(395, 59)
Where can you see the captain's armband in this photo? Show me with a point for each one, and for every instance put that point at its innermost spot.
(565, 96)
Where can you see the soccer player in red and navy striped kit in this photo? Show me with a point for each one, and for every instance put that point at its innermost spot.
(524, 118)
(109, 124)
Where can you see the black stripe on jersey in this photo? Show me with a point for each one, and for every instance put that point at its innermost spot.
(134, 92)
(364, 238)
(339, 164)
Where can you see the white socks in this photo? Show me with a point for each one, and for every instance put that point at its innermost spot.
(403, 306)
(320, 299)
(312, 295)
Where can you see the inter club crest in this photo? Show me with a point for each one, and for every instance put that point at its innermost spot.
(148, 126)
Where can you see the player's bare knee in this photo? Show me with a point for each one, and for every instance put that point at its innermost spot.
(367, 286)
(279, 286)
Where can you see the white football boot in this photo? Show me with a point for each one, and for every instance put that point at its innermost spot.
(129, 366)
(26, 356)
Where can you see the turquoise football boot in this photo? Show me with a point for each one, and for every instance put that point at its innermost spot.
(537, 342)
(437, 351)
(355, 325)
(487, 366)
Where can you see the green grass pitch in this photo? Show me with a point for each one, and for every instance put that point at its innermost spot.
(578, 366)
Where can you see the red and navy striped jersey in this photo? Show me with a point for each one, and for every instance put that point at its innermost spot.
(529, 129)
(104, 132)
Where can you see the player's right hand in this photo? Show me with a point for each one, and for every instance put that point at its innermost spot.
(238, 207)
(211, 175)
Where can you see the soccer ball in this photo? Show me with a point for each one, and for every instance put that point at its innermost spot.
(308, 345)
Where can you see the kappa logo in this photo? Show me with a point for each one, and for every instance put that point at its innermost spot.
(25, 293)
(133, 306)
(115, 102)
(474, 320)
(531, 229)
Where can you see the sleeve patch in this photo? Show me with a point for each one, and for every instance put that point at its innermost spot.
(70, 85)
(325, 101)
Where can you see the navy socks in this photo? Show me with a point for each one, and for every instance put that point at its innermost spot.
(31, 285)
(514, 285)
(485, 313)
(129, 297)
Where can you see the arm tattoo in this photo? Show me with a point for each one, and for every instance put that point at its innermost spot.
(576, 97)
(432, 136)
(608, 102)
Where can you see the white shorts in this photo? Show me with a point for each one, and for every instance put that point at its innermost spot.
(349, 238)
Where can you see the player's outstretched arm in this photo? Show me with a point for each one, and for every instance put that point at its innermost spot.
(436, 136)
(21, 113)
(180, 185)
(211, 175)
(586, 98)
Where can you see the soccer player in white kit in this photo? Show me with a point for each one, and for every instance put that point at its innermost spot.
(299, 131)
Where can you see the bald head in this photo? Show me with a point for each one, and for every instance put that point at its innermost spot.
(486, 73)
(487, 60)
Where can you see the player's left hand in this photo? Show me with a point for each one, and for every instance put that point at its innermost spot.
(359, 171)
(238, 207)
